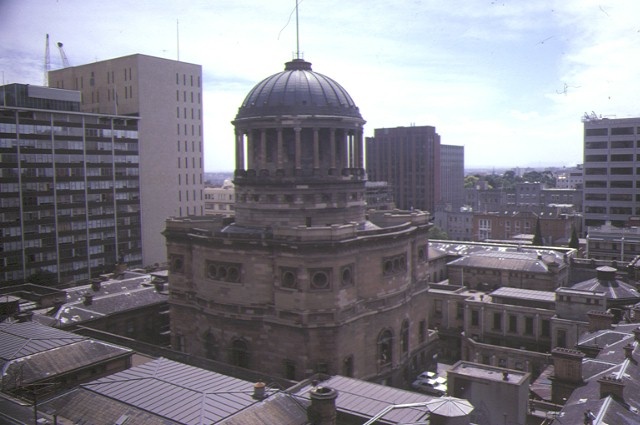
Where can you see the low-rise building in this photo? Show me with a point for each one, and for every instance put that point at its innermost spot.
(220, 200)
(37, 360)
(499, 395)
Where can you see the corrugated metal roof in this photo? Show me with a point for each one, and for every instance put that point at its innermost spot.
(176, 391)
(60, 360)
(524, 294)
(521, 261)
(28, 338)
(366, 399)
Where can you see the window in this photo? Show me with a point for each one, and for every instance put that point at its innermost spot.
(422, 331)
(404, 337)
(240, 353)
(528, 325)
(347, 366)
(475, 318)
(497, 321)
(513, 323)
(385, 347)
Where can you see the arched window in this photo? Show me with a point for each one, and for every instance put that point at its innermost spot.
(240, 353)
(347, 366)
(385, 347)
(404, 337)
(210, 346)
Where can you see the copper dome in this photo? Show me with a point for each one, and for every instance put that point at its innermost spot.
(298, 91)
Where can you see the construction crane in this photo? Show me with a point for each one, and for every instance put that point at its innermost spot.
(47, 62)
(63, 55)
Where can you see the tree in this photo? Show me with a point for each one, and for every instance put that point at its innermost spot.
(437, 233)
(537, 237)
(574, 242)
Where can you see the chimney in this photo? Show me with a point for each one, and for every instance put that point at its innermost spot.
(505, 376)
(159, 286)
(628, 351)
(322, 410)
(258, 390)
(636, 334)
(611, 386)
(95, 285)
(88, 299)
(567, 373)
(599, 320)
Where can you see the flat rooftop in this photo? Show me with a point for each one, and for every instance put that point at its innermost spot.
(488, 373)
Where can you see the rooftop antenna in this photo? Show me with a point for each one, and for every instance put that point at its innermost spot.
(47, 62)
(297, 33)
(178, 37)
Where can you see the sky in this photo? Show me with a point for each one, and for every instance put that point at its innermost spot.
(508, 80)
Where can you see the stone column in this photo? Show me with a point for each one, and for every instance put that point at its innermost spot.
(298, 131)
(251, 160)
(316, 148)
(280, 148)
(263, 150)
(239, 149)
(332, 146)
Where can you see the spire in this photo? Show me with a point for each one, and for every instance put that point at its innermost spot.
(298, 54)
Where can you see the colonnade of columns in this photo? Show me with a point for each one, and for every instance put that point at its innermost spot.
(345, 147)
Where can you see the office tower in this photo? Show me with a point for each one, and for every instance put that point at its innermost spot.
(167, 96)
(409, 159)
(70, 202)
(303, 280)
(611, 173)
(451, 177)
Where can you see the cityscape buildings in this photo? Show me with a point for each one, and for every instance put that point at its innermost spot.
(70, 202)
(409, 159)
(167, 96)
(452, 177)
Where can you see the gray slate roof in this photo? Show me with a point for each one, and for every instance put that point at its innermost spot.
(610, 362)
(174, 391)
(366, 399)
(30, 352)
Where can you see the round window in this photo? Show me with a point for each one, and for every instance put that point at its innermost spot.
(233, 274)
(288, 279)
(320, 280)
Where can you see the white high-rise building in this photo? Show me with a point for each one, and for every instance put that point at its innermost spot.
(167, 96)
(611, 173)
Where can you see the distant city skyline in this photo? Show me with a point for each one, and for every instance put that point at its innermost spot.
(509, 81)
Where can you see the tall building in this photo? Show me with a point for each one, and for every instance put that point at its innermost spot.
(70, 199)
(167, 96)
(611, 173)
(409, 159)
(451, 177)
(303, 280)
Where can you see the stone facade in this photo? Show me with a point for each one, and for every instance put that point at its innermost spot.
(301, 280)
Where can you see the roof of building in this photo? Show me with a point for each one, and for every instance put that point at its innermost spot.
(174, 391)
(86, 302)
(298, 91)
(30, 352)
(611, 363)
(280, 408)
(607, 282)
(488, 373)
(366, 399)
(525, 261)
(524, 294)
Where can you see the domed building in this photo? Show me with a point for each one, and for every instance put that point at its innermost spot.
(302, 280)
